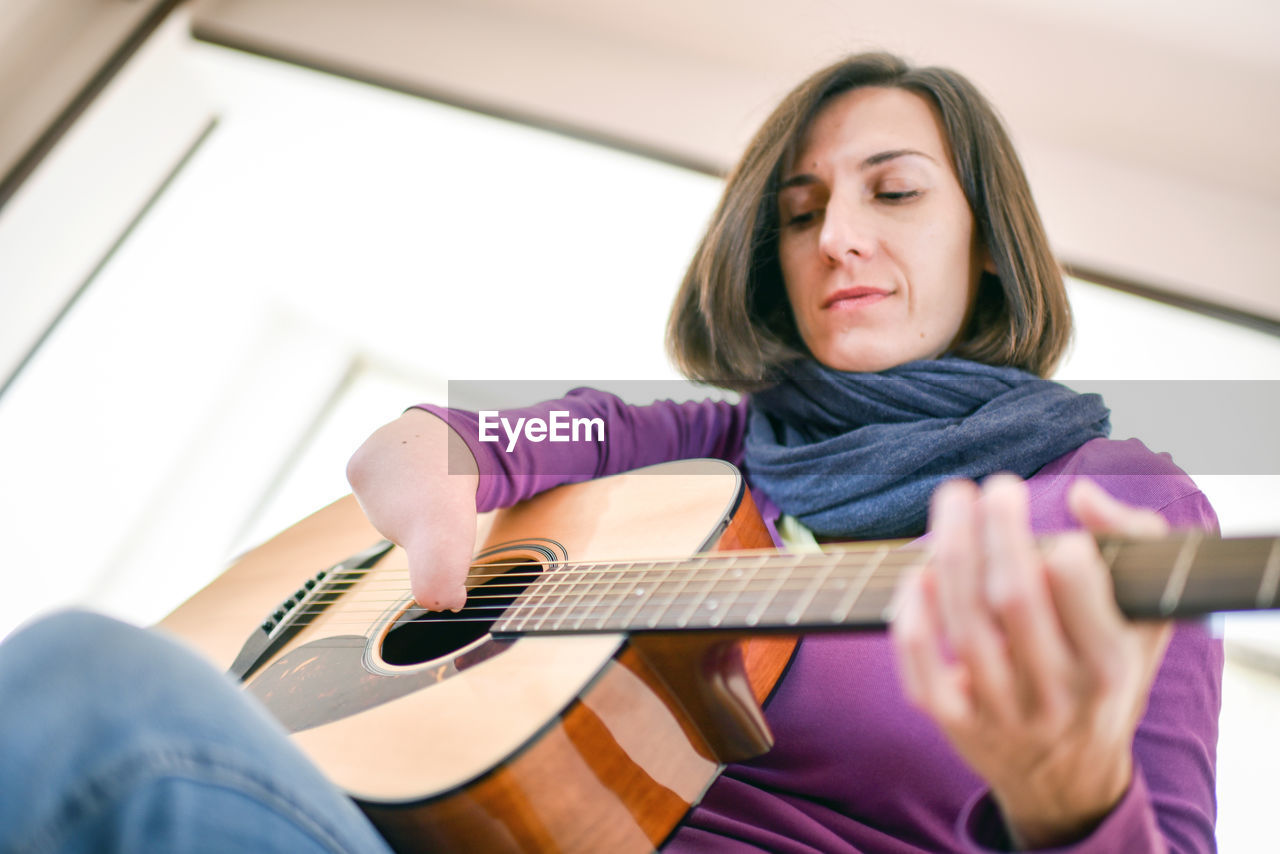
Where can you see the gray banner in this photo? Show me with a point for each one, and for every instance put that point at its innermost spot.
(1206, 426)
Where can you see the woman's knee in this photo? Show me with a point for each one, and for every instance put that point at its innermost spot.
(98, 715)
(73, 656)
(75, 680)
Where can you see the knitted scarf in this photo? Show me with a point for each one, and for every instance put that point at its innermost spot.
(857, 455)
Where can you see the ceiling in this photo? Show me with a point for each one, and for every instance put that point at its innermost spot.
(1149, 128)
(1165, 82)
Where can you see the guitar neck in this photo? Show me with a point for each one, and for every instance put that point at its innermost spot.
(1185, 574)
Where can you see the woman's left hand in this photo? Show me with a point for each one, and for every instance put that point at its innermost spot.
(1018, 651)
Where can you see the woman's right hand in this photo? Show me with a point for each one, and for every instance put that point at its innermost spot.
(1018, 651)
(403, 479)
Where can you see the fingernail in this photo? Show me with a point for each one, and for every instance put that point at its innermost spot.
(953, 490)
(1003, 480)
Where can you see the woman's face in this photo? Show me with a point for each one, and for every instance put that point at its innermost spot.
(877, 246)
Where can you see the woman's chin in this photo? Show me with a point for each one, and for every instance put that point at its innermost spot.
(867, 357)
(861, 360)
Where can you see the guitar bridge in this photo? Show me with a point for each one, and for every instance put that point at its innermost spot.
(313, 597)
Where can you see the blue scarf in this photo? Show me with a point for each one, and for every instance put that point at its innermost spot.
(856, 455)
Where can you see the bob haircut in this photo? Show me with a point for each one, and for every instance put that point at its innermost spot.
(732, 325)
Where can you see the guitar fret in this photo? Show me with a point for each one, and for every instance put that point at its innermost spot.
(686, 601)
(592, 581)
(845, 606)
(620, 571)
(699, 599)
(517, 615)
(644, 593)
(833, 587)
(1181, 567)
(744, 598)
(556, 600)
(600, 585)
(753, 618)
(688, 571)
(825, 569)
(549, 588)
(1270, 578)
(795, 587)
(730, 599)
(659, 598)
(878, 600)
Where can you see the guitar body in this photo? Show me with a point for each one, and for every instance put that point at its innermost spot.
(453, 740)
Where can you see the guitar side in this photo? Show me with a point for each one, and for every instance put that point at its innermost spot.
(562, 743)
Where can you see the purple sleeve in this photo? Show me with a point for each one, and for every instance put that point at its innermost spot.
(1170, 805)
(633, 436)
(1130, 827)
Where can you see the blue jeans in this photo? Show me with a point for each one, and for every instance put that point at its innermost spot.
(113, 738)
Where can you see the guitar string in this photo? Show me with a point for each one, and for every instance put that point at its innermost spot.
(665, 600)
(597, 572)
(762, 585)
(595, 599)
(392, 574)
(600, 617)
(341, 581)
(556, 583)
(577, 568)
(774, 555)
(1173, 544)
(717, 559)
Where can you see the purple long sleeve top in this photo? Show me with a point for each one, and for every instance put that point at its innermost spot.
(855, 767)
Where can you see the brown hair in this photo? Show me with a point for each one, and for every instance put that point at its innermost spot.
(731, 324)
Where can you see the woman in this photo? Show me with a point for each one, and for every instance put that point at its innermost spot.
(876, 275)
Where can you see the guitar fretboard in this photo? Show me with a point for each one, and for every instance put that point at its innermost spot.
(1185, 574)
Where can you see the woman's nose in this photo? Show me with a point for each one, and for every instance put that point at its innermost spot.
(846, 231)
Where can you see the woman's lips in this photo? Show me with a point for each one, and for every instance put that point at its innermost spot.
(851, 298)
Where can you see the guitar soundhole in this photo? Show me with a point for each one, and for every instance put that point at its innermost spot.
(420, 635)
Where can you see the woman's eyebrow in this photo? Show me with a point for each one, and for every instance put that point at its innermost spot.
(885, 156)
(801, 180)
(876, 159)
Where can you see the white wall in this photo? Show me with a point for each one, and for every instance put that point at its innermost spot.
(75, 205)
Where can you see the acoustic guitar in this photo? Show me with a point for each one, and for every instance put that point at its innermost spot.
(618, 639)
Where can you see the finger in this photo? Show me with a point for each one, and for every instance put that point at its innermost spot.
(1120, 659)
(1082, 595)
(436, 590)
(1012, 557)
(1099, 512)
(969, 628)
(932, 683)
(438, 569)
(953, 526)
(1017, 592)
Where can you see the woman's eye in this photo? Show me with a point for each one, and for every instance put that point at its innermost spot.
(802, 218)
(897, 195)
